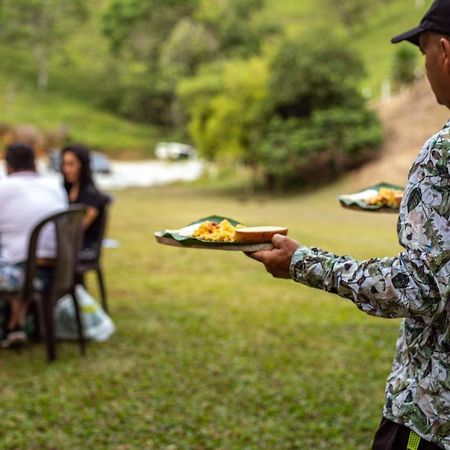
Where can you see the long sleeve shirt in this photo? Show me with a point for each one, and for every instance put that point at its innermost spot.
(25, 199)
(414, 285)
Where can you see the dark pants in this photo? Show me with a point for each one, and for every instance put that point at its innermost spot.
(392, 436)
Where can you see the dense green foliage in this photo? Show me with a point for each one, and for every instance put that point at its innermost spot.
(298, 110)
(309, 73)
(42, 25)
(209, 70)
(320, 121)
(142, 59)
(226, 109)
(161, 42)
(212, 353)
(137, 31)
(320, 147)
(353, 13)
(404, 67)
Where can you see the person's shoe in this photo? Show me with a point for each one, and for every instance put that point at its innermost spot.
(16, 337)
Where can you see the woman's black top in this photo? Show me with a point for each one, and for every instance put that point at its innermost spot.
(90, 196)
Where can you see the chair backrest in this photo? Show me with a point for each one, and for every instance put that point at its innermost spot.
(68, 225)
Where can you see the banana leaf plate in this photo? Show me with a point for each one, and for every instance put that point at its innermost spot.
(182, 237)
(359, 200)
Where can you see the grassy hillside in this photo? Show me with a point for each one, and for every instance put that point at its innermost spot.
(70, 102)
(374, 44)
(372, 40)
(84, 122)
(76, 70)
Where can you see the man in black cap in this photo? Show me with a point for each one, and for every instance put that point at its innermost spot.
(414, 285)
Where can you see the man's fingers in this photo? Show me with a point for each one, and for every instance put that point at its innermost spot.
(258, 256)
(278, 240)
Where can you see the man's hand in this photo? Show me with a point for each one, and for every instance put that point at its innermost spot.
(278, 260)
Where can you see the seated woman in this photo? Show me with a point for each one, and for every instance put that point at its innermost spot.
(81, 189)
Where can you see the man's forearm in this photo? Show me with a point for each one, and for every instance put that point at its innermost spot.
(387, 287)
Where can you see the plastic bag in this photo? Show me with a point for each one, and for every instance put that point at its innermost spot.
(97, 325)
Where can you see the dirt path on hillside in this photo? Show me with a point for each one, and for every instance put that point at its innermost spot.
(409, 119)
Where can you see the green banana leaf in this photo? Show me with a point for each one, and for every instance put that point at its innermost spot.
(358, 200)
(184, 235)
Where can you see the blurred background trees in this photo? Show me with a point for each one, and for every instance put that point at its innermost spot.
(230, 77)
(159, 43)
(319, 123)
(404, 66)
(42, 26)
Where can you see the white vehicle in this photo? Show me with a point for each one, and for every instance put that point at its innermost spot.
(174, 151)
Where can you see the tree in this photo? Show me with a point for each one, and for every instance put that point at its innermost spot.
(404, 66)
(353, 13)
(302, 151)
(138, 28)
(170, 40)
(226, 110)
(41, 25)
(311, 73)
(233, 24)
(319, 118)
(189, 45)
(286, 115)
(141, 33)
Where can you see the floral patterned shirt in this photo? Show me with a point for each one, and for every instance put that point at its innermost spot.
(415, 285)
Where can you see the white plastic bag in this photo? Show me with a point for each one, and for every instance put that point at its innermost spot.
(97, 325)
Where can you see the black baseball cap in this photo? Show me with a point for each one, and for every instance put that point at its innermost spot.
(436, 19)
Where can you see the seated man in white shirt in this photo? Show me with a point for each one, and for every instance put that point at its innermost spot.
(25, 199)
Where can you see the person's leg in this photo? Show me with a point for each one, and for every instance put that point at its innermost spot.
(11, 282)
(12, 279)
(15, 334)
(19, 309)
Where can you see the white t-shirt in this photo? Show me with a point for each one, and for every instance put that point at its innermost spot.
(25, 199)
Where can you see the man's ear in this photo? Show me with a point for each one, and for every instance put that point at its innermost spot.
(445, 45)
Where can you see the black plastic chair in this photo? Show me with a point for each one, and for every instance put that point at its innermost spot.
(68, 231)
(90, 260)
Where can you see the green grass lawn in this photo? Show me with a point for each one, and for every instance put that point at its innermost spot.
(210, 351)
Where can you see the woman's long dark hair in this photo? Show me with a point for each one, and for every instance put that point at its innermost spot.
(82, 154)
